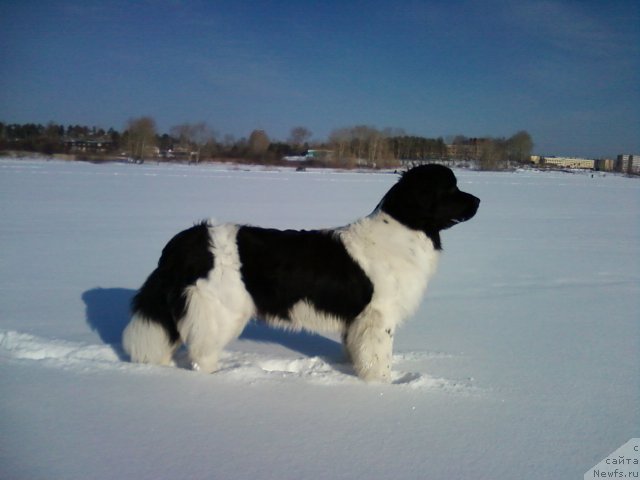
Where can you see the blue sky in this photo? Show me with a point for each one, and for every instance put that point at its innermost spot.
(566, 71)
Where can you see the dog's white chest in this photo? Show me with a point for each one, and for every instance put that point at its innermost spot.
(399, 262)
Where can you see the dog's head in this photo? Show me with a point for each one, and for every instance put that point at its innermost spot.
(427, 198)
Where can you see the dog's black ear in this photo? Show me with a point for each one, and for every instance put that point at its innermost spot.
(406, 203)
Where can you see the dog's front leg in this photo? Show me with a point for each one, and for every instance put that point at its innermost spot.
(369, 344)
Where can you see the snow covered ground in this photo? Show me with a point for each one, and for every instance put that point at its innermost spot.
(522, 361)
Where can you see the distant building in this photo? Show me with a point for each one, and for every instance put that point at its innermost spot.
(88, 146)
(319, 154)
(179, 153)
(569, 162)
(628, 164)
(311, 155)
(605, 165)
(600, 164)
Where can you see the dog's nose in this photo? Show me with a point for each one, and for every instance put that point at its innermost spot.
(474, 203)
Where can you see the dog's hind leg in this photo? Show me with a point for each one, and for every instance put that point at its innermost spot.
(369, 343)
(207, 327)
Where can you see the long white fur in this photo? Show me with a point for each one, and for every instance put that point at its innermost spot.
(219, 307)
(147, 342)
(398, 261)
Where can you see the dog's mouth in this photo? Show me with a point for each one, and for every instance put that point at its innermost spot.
(455, 221)
(469, 213)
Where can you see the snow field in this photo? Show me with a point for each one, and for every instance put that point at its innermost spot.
(522, 361)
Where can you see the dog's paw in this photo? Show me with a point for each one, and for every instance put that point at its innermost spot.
(207, 364)
(374, 370)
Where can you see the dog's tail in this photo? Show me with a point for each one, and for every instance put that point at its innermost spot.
(152, 335)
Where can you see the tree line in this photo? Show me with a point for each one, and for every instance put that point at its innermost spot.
(360, 145)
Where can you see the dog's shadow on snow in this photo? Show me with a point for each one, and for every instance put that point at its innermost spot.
(108, 312)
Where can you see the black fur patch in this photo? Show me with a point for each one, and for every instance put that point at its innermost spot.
(186, 258)
(281, 268)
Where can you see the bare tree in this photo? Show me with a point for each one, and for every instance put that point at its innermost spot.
(362, 143)
(141, 134)
(195, 137)
(228, 141)
(340, 142)
(519, 147)
(298, 136)
(258, 143)
(490, 154)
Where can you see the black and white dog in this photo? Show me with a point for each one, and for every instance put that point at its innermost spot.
(362, 280)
